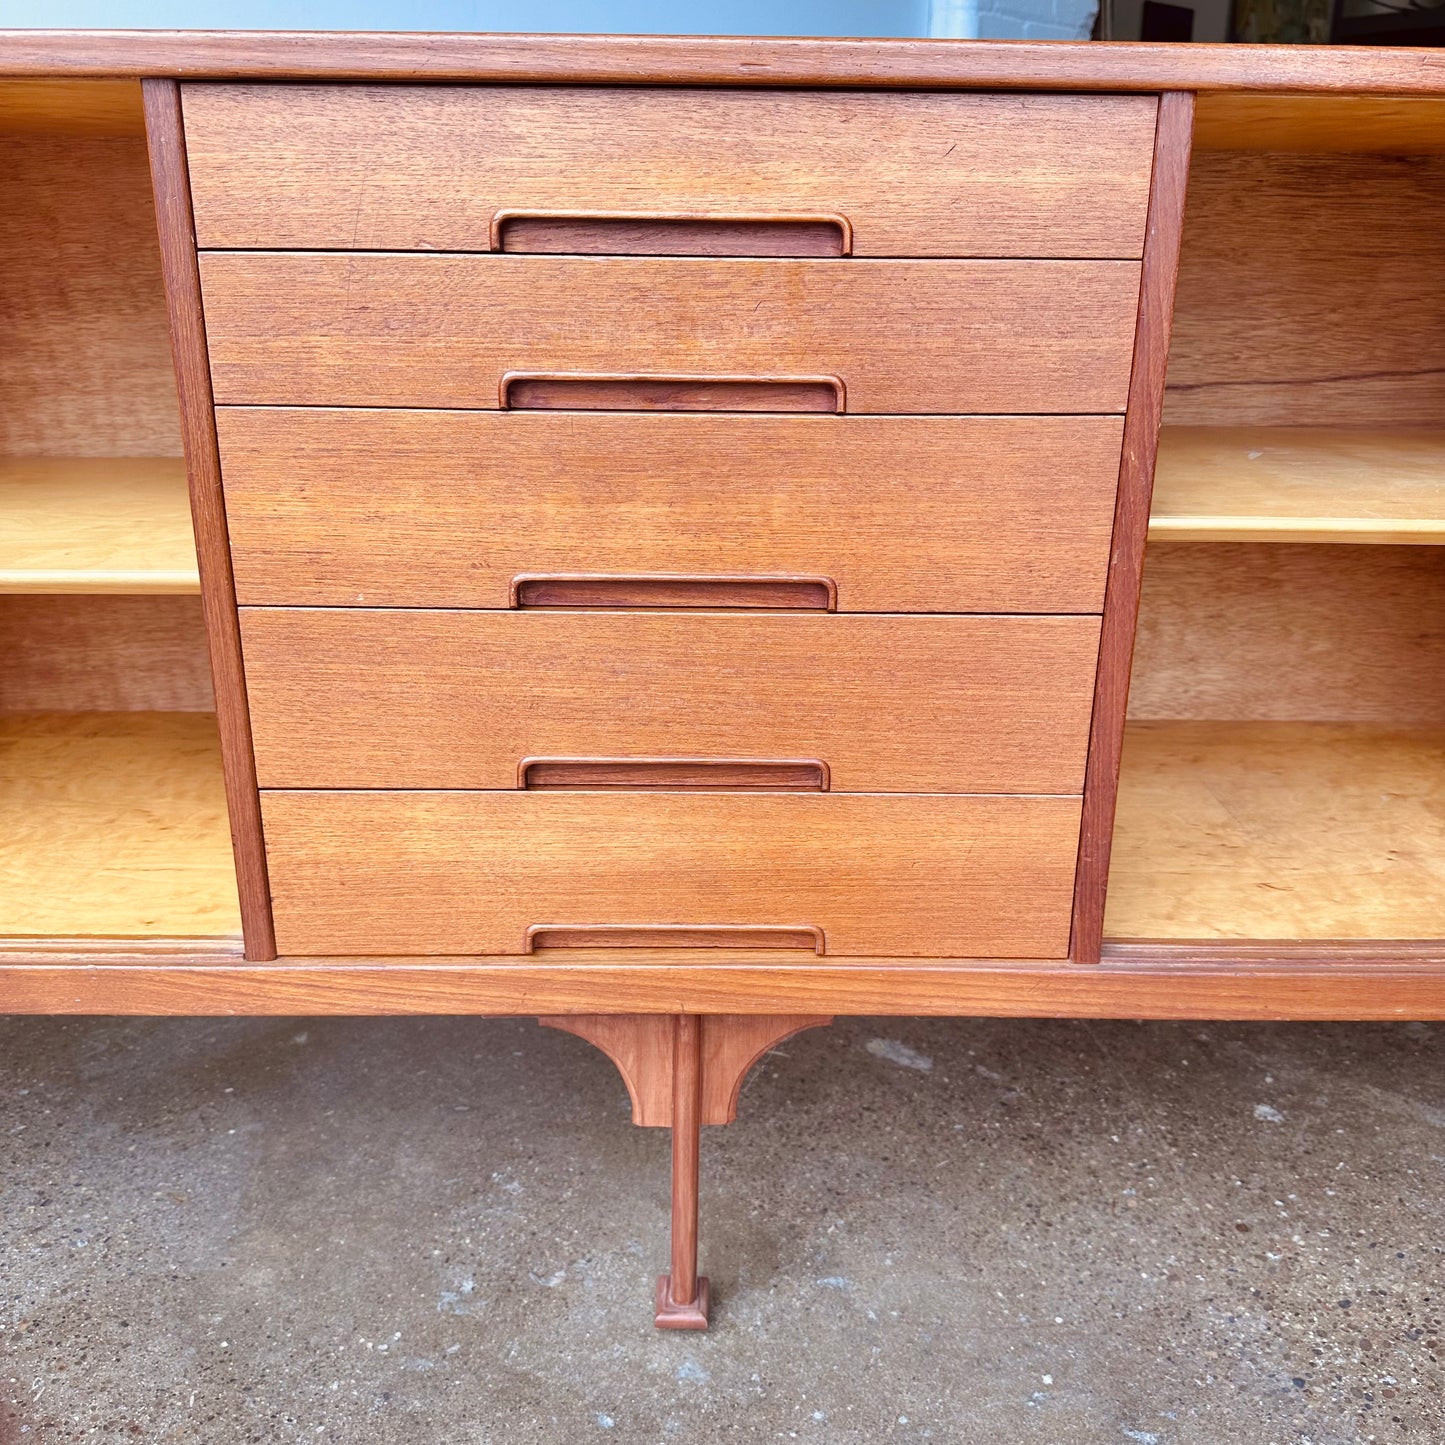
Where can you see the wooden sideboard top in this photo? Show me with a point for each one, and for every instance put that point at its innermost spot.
(721, 60)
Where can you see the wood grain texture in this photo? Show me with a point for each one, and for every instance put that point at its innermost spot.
(1292, 633)
(103, 654)
(1173, 981)
(96, 524)
(714, 60)
(113, 825)
(380, 329)
(642, 1048)
(1279, 830)
(175, 226)
(1300, 484)
(402, 168)
(437, 873)
(1306, 293)
(443, 509)
(84, 363)
(1336, 124)
(71, 107)
(928, 704)
(1131, 517)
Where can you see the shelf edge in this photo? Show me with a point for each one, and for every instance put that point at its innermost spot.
(15, 581)
(1328, 530)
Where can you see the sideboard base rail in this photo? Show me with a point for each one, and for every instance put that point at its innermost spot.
(1260, 980)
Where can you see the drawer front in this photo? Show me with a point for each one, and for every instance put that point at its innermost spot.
(354, 698)
(425, 168)
(900, 514)
(444, 331)
(472, 873)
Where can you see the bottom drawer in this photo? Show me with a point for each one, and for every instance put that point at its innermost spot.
(926, 875)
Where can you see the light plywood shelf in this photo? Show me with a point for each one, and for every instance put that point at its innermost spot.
(96, 524)
(113, 825)
(1299, 484)
(1276, 830)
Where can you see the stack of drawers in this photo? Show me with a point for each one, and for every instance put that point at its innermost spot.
(669, 516)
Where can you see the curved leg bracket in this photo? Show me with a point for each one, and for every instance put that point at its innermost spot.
(683, 1071)
(642, 1047)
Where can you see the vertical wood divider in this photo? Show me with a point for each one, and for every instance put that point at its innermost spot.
(1173, 138)
(175, 223)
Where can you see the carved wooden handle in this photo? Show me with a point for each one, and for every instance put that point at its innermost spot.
(756, 775)
(659, 590)
(671, 233)
(638, 391)
(674, 935)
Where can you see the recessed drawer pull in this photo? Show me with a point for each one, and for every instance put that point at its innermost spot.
(770, 775)
(670, 233)
(778, 594)
(674, 935)
(609, 391)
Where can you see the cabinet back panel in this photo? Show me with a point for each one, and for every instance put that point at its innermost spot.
(1292, 632)
(103, 654)
(85, 361)
(1309, 292)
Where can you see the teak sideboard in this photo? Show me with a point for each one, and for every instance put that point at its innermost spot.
(666, 535)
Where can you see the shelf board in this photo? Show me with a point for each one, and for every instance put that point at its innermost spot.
(1334, 124)
(1299, 484)
(72, 107)
(113, 825)
(96, 524)
(1274, 830)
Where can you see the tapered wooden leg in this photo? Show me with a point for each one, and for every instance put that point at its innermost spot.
(682, 1298)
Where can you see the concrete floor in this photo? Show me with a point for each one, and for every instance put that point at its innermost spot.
(446, 1230)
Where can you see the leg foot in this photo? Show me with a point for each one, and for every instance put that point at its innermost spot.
(689, 1316)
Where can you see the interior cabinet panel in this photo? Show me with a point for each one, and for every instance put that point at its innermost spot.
(1309, 292)
(85, 358)
(1254, 631)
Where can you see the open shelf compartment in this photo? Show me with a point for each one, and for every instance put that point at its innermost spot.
(113, 819)
(1283, 774)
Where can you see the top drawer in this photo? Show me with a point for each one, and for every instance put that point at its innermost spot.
(441, 168)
